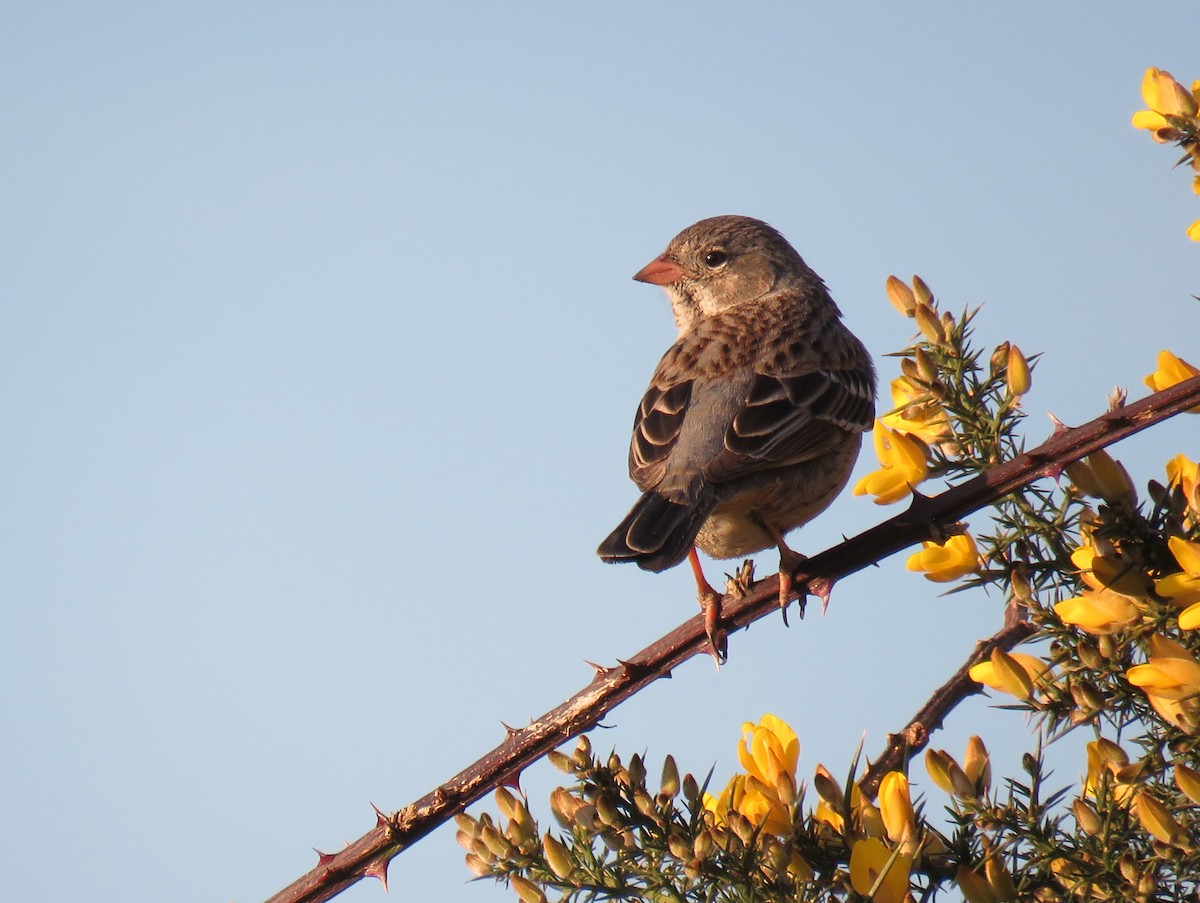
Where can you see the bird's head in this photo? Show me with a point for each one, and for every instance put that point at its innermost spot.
(722, 262)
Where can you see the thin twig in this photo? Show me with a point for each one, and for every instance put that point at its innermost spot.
(369, 855)
(903, 746)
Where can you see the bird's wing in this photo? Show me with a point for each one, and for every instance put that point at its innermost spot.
(656, 430)
(789, 419)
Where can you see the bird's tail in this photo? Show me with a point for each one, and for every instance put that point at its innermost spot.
(656, 534)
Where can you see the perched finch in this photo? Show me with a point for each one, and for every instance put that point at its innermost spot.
(754, 417)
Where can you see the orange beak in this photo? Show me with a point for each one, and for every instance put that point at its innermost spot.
(660, 271)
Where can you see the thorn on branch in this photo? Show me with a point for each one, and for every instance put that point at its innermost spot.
(602, 671)
(378, 869)
(324, 859)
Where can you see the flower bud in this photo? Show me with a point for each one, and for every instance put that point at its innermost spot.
(895, 807)
(1087, 697)
(583, 752)
(477, 866)
(527, 891)
(679, 848)
(644, 803)
(828, 788)
(978, 766)
(1000, 881)
(927, 323)
(702, 847)
(612, 840)
(1087, 818)
(948, 323)
(505, 802)
(973, 886)
(608, 812)
(637, 771)
(1112, 478)
(922, 292)
(669, 787)
(1188, 780)
(900, 295)
(1019, 376)
(558, 857)
(1081, 476)
(691, 790)
(496, 842)
(564, 806)
(561, 761)
(1156, 818)
(926, 368)
(999, 359)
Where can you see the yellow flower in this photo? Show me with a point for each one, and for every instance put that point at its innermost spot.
(943, 562)
(947, 773)
(895, 805)
(1168, 678)
(1165, 97)
(1193, 231)
(1171, 371)
(1183, 472)
(1157, 819)
(1019, 377)
(769, 749)
(1182, 587)
(827, 814)
(769, 752)
(1098, 613)
(1183, 713)
(1188, 780)
(868, 860)
(916, 413)
(1108, 572)
(1014, 672)
(903, 460)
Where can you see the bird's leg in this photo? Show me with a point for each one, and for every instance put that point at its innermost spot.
(710, 606)
(789, 566)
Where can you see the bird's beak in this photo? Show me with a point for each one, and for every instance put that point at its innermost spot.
(660, 271)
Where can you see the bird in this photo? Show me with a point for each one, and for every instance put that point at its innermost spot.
(754, 416)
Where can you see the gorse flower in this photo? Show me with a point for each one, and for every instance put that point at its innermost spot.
(1182, 587)
(1100, 612)
(1165, 97)
(916, 413)
(873, 868)
(764, 795)
(1171, 371)
(1011, 672)
(946, 561)
(903, 466)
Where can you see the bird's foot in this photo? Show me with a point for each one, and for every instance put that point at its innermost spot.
(710, 607)
(740, 583)
(789, 564)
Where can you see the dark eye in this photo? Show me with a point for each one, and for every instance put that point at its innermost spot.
(715, 259)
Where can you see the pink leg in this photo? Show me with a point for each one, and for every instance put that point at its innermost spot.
(710, 606)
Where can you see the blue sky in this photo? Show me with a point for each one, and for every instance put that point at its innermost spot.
(320, 353)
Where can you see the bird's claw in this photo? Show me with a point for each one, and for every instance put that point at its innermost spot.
(718, 644)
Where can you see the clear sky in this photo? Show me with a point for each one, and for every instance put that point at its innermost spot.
(319, 355)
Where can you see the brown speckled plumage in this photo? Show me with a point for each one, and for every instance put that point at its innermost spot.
(754, 417)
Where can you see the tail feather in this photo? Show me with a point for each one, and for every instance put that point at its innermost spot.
(656, 534)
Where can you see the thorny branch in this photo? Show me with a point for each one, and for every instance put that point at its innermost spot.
(370, 854)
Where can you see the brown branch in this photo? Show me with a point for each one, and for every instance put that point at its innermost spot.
(903, 746)
(369, 855)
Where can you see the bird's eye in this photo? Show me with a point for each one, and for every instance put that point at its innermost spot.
(715, 259)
